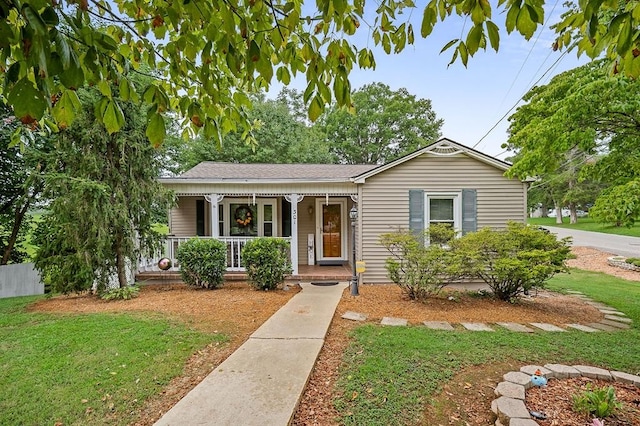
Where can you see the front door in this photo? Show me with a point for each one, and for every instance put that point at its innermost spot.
(331, 230)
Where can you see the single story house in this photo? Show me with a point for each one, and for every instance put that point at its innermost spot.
(310, 204)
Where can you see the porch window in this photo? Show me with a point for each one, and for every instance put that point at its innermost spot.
(242, 218)
(200, 231)
(267, 223)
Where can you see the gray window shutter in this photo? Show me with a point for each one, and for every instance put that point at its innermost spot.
(416, 211)
(469, 211)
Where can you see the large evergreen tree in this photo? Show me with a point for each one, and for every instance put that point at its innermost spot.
(103, 189)
(282, 135)
(386, 124)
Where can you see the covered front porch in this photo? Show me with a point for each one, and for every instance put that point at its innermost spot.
(318, 228)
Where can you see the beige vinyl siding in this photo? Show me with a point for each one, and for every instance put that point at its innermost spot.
(183, 217)
(384, 203)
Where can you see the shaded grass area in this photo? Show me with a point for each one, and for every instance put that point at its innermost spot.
(391, 373)
(86, 369)
(587, 224)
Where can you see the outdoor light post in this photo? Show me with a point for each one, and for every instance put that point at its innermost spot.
(353, 215)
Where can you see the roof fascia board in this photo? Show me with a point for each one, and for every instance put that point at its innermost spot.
(208, 181)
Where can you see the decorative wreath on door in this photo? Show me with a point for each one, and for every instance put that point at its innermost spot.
(243, 216)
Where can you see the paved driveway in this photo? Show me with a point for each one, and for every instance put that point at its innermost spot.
(616, 244)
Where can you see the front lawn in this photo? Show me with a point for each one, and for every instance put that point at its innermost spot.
(393, 373)
(587, 224)
(79, 369)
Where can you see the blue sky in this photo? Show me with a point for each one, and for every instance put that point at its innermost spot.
(471, 100)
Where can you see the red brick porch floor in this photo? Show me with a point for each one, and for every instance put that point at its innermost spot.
(305, 273)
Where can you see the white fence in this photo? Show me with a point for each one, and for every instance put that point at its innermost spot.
(20, 279)
(234, 250)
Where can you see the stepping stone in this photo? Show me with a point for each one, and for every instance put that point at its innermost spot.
(510, 408)
(439, 325)
(602, 327)
(477, 326)
(612, 312)
(619, 319)
(393, 321)
(547, 327)
(574, 292)
(598, 305)
(512, 326)
(583, 328)
(354, 316)
(614, 324)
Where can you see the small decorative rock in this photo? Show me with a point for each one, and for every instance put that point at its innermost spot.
(393, 321)
(354, 316)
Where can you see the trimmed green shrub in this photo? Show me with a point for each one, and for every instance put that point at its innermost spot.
(267, 262)
(122, 293)
(633, 261)
(420, 270)
(203, 262)
(511, 261)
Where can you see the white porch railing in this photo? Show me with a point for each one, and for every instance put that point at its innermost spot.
(234, 250)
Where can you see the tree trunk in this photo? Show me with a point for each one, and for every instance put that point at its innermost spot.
(558, 213)
(17, 223)
(573, 216)
(121, 264)
(544, 210)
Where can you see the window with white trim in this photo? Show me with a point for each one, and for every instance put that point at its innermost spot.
(444, 208)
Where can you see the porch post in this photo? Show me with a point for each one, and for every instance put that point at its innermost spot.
(214, 200)
(294, 199)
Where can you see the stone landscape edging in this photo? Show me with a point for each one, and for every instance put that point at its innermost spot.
(509, 406)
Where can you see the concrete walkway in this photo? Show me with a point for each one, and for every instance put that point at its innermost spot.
(262, 381)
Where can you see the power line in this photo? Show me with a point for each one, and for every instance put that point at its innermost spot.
(518, 101)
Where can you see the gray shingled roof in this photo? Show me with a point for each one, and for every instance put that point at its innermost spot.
(233, 171)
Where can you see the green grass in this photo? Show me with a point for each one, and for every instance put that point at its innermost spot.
(587, 224)
(392, 373)
(86, 368)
